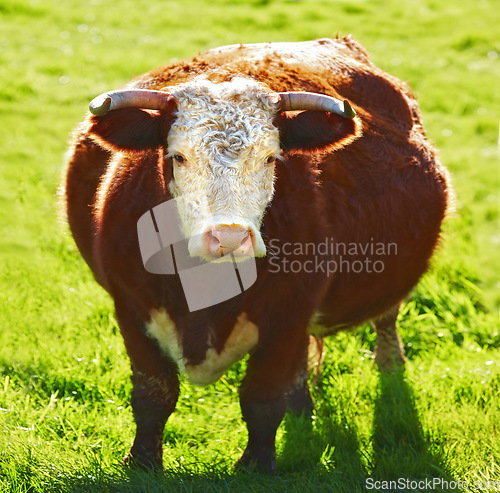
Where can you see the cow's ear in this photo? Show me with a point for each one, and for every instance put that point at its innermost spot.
(130, 129)
(317, 131)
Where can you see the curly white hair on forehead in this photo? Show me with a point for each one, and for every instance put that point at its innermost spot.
(223, 142)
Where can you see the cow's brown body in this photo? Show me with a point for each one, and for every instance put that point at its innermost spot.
(385, 188)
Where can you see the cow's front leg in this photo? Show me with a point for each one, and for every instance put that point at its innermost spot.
(271, 372)
(154, 394)
(153, 400)
(299, 397)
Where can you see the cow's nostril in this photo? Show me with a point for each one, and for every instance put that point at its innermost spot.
(213, 243)
(245, 236)
(246, 239)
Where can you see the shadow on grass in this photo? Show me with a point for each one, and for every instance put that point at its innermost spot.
(328, 455)
(329, 450)
(400, 447)
(401, 450)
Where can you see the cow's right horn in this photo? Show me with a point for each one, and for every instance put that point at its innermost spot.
(129, 98)
(299, 100)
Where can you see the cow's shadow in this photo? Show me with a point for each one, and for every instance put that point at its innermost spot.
(397, 447)
(401, 448)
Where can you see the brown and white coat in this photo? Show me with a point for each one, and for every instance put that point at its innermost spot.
(287, 177)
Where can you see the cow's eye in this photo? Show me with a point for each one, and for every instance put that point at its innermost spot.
(270, 159)
(179, 159)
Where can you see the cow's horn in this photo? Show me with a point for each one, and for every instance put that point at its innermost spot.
(129, 98)
(291, 101)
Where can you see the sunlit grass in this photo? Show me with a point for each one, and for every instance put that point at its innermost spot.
(65, 418)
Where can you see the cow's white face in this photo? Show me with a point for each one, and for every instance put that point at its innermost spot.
(223, 146)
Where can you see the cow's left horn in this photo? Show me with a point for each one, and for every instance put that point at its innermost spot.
(129, 98)
(290, 101)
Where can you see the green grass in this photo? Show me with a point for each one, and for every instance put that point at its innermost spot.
(65, 418)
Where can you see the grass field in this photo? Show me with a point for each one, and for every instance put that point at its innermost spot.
(65, 419)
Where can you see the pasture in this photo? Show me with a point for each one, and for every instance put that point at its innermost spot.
(65, 418)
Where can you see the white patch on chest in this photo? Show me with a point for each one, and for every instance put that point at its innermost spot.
(242, 339)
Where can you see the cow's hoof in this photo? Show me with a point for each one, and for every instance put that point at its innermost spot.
(263, 463)
(143, 463)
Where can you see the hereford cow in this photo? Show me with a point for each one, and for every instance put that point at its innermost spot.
(300, 167)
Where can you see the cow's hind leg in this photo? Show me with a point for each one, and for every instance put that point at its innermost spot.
(299, 397)
(389, 353)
